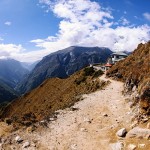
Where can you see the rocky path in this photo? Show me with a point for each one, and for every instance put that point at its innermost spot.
(93, 125)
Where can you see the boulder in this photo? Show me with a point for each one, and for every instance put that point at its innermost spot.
(51, 119)
(26, 144)
(117, 146)
(18, 139)
(131, 147)
(87, 120)
(139, 133)
(121, 132)
(73, 147)
(105, 115)
(83, 130)
(134, 88)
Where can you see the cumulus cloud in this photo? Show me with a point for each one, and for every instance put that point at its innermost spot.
(124, 21)
(10, 50)
(147, 16)
(19, 53)
(86, 23)
(8, 23)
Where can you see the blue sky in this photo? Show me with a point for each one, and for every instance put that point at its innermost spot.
(30, 29)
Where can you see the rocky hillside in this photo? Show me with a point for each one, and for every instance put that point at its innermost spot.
(135, 72)
(62, 64)
(11, 72)
(53, 94)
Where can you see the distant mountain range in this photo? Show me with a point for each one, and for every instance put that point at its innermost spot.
(6, 93)
(29, 66)
(62, 64)
(20, 77)
(11, 72)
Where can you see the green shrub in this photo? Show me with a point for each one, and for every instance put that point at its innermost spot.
(98, 73)
(89, 71)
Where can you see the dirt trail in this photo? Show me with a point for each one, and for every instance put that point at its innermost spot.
(93, 125)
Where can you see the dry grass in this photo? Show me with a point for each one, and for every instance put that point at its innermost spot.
(5, 129)
(135, 70)
(51, 95)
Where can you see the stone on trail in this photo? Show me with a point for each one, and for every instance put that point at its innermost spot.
(131, 147)
(121, 132)
(51, 119)
(139, 133)
(87, 120)
(116, 146)
(105, 115)
(26, 144)
(83, 130)
(73, 146)
(18, 139)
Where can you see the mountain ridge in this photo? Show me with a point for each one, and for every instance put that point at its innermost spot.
(11, 72)
(62, 64)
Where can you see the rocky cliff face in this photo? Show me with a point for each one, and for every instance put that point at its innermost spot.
(135, 72)
(62, 64)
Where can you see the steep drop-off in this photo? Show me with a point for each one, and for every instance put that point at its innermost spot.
(11, 72)
(6, 93)
(53, 94)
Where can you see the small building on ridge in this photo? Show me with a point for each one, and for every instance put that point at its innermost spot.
(115, 57)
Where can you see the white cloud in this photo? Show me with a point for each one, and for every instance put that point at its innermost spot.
(125, 12)
(10, 50)
(19, 53)
(147, 16)
(124, 21)
(8, 23)
(1, 39)
(83, 23)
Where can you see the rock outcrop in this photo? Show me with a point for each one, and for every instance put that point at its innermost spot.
(139, 133)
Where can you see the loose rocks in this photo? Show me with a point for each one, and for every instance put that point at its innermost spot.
(121, 132)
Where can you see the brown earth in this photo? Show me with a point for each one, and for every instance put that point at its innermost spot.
(92, 126)
(52, 95)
